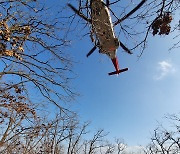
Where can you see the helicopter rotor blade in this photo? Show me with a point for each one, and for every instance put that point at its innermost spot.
(79, 13)
(130, 13)
(107, 3)
(91, 51)
(125, 48)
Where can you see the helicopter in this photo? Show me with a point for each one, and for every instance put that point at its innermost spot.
(102, 30)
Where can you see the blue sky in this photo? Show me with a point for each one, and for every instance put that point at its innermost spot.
(127, 106)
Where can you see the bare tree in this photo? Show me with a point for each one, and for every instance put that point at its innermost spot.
(25, 131)
(121, 146)
(32, 52)
(35, 69)
(165, 141)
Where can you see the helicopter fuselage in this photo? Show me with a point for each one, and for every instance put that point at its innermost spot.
(102, 27)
